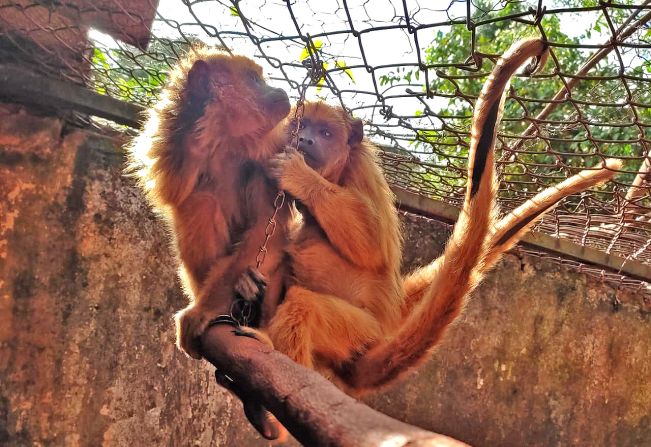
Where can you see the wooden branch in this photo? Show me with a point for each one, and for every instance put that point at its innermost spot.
(313, 410)
(638, 188)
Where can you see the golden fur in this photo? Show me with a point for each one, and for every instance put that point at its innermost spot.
(348, 312)
(350, 233)
(200, 161)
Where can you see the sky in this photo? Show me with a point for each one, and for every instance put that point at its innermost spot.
(384, 46)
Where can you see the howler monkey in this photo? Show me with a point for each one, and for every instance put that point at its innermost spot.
(347, 311)
(200, 160)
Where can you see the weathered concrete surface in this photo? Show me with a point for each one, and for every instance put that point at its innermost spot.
(542, 356)
(87, 292)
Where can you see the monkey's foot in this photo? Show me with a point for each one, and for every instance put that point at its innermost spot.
(245, 331)
(191, 323)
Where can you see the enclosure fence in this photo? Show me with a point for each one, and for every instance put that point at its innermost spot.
(412, 70)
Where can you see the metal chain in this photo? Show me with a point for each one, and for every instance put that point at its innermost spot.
(269, 230)
(279, 201)
(242, 311)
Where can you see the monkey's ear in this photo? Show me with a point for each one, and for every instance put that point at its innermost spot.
(356, 132)
(198, 78)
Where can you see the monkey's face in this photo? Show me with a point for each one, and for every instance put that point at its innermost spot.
(236, 95)
(326, 136)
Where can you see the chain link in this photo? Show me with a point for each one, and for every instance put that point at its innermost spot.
(270, 229)
(242, 311)
(279, 201)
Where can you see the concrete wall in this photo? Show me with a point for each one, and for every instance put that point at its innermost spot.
(542, 356)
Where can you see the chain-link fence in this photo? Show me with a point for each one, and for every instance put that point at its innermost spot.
(413, 70)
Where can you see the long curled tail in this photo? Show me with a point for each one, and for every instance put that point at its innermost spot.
(517, 223)
(512, 227)
(454, 278)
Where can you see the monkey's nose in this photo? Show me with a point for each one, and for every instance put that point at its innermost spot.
(307, 141)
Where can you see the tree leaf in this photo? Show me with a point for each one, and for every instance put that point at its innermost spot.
(340, 63)
(318, 44)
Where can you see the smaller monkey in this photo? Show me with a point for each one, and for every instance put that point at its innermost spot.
(348, 312)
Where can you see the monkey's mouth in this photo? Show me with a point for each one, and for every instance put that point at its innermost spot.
(278, 105)
(301, 150)
(309, 158)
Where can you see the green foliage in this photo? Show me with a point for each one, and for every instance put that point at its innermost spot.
(317, 50)
(456, 85)
(134, 76)
(576, 133)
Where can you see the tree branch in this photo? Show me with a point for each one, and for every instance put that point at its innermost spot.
(309, 406)
(638, 188)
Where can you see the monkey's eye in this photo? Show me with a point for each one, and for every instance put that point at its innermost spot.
(301, 126)
(326, 133)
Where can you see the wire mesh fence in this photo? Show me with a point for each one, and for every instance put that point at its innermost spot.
(413, 70)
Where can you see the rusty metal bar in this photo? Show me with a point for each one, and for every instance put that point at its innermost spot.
(19, 85)
(408, 201)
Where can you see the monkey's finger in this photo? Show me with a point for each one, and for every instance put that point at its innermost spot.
(239, 288)
(247, 331)
(261, 419)
(189, 324)
(276, 173)
(246, 288)
(260, 284)
(275, 164)
(255, 288)
(295, 154)
(243, 287)
(257, 276)
(261, 289)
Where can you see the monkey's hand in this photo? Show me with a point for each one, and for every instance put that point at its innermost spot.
(263, 421)
(292, 173)
(251, 286)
